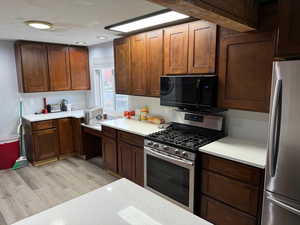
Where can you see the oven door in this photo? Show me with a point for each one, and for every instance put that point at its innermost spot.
(172, 178)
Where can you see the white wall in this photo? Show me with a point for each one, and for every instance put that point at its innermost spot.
(9, 94)
(239, 124)
(9, 112)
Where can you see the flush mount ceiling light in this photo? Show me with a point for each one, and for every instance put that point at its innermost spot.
(81, 43)
(147, 21)
(101, 37)
(41, 25)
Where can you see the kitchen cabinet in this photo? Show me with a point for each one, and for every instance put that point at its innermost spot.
(231, 193)
(176, 49)
(131, 157)
(46, 67)
(245, 71)
(77, 136)
(288, 36)
(122, 65)
(41, 141)
(79, 68)
(138, 64)
(202, 47)
(59, 67)
(32, 66)
(110, 157)
(65, 134)
(154, 50)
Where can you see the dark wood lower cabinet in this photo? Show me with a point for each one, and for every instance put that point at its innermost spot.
(110, 157)
(131, 162)
(45, 144)
(222, 214)
(65, 135)
(231, 192)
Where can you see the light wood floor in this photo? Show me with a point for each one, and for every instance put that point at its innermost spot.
(30, 190)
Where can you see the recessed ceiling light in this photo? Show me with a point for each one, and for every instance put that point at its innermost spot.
(147, 21)
(41, 25)
(81, 43)
(101, 37)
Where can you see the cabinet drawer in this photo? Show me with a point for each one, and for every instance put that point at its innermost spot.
(131, 138)
(221, 214)
(42, 125)
(234, 193)
(109, 132)
(232, 169)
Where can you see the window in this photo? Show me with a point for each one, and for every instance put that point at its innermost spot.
(109, 100)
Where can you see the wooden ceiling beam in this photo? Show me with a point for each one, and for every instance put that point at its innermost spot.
(238, 15)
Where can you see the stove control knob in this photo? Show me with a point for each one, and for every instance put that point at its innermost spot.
(156, 145)
(176, 152)
(185, 154)
(166, 148)
(150, 143)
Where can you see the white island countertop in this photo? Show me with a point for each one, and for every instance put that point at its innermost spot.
(53, 116)
(119, 203)
(131, 126)
(239, 150)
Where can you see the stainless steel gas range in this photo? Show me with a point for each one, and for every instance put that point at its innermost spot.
(170, 161)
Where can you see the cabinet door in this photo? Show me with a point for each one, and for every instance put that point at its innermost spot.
(77, 136)
(246, 71)
(79, 68)
(202, 47)
(139, 165)
(138, 64)
(288, 39)
(176, 49)
(122, 65)
(59, 67)
(65, 132)
(126, 160)
(109, 149)
(45, 144)
(32, 65)
(154, 49)
(221, 214)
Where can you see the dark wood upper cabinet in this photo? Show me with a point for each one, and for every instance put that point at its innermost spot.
(245, 71)
(65, 134)
(79, 68)
(122, 65)
(202, 47)
(109, 149)
(32, 67)
(288, 37)
(176, 49)
(154, 49)
(59, 67)
(138, 64)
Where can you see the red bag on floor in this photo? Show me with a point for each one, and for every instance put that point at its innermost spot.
(9, 152)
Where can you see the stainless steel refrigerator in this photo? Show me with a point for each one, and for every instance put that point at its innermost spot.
(282, 185)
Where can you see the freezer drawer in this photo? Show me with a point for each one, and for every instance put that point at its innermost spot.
(278, 212)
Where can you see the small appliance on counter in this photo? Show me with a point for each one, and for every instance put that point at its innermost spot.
(65, 105)
(52, 108)
(92, 115)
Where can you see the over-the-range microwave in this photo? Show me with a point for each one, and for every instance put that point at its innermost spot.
(192, 92)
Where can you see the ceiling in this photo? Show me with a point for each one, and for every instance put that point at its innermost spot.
(74, 20)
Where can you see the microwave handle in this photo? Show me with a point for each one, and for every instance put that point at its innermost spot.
(198, 85)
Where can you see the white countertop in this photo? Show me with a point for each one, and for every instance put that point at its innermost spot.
(243, 151)
(52, 116)
(131, 126)
(119, 203)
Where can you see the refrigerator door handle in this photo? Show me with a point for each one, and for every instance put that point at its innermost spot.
(275, 127)
(284, 206)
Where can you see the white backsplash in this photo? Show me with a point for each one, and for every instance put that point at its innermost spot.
(33, 102)
(238, 123)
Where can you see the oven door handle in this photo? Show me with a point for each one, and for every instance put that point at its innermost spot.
(181, 162)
